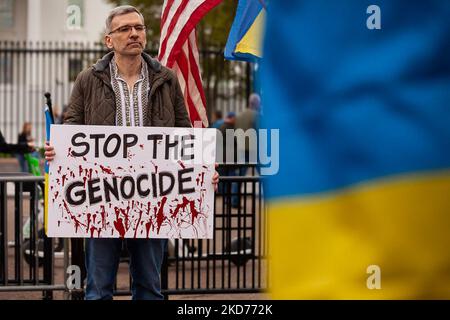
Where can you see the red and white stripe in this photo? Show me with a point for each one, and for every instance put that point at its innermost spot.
(178, 50)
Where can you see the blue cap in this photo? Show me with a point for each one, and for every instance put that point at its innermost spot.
(231, 114)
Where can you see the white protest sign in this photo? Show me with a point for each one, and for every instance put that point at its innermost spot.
(131, 182)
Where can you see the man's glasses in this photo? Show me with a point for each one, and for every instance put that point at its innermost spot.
(127, 29)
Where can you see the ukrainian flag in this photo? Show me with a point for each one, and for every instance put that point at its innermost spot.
(48, 123)
(244, 41)
(360, 207)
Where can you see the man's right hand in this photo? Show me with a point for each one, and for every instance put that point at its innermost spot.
(49, 152)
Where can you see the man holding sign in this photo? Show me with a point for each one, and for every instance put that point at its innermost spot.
(126, 88)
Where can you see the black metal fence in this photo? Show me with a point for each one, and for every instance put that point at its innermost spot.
(28, 69)
(234, 261)
(27, 261)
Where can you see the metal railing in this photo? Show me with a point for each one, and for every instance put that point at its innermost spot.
(234, 261)
(32, 257)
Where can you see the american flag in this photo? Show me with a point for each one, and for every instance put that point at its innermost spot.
(178, 50)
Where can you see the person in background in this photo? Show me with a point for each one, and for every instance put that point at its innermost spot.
(246, 152)
(228, 124)
(218, 119)
(24, 138)
(14, 148)
(57, 114)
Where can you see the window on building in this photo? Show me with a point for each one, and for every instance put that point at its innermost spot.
(75, 14)
(6, 14)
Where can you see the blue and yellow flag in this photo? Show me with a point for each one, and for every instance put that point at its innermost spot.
(360, 208)
(48, 122)
(245, 38)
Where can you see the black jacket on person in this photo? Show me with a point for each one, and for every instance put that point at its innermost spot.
(12, 148)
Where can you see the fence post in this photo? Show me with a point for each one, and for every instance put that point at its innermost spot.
(165, 273)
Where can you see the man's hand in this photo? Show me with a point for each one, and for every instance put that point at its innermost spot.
(49, 152)
(215, 179)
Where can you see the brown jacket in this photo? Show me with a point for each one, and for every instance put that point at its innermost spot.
(93, 102)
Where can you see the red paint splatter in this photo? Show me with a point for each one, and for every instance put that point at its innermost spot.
(56, 196)
(137, 224)
(106, 170)
(126, 215)
(154, 165)
(147, 227)
(88, 222)
(93, 218)
(130, 155)
(119, 168)
(88, 173)
(51, 187)
(84, 182)
(59, 170)
(148, 207)
(200, 200)
(119, 227)
(197, 180)
(117, 210)
(69, 152)
(160, 215)
(84, 158)
(64, 177)
(57, 181)
(103, 214)
(75, 220)
(181, 164)
(181, 206)
(205, 167)
(92, 231)
(142, 146)
(203, 176)
(194, 212)
(80, 170)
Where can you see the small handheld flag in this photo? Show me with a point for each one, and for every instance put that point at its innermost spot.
(48, 122)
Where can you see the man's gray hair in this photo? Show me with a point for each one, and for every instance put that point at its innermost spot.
(118, 11)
